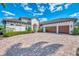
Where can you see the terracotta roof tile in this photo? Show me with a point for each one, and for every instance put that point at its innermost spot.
(59, 20)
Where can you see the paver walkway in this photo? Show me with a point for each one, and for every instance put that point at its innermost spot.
(39, 44)
(1, 37)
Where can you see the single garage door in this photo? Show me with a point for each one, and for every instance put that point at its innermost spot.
(51, 29)
(64, 29)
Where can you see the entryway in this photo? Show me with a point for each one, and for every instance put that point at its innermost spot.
(35, 28)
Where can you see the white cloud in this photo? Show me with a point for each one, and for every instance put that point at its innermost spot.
(53, 7)
(6, 13)
(67, 5)
(26, 7)
(35, 14)
(40, 7)
(55, 4)
(42, 19)
(59, 8)
(74, 14)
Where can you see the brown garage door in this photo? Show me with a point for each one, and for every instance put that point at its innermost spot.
(51, 29)
(64, 29)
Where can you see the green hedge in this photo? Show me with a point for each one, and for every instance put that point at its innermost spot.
(76, 31)
(8, 34)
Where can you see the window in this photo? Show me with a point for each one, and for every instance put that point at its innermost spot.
(12, 24)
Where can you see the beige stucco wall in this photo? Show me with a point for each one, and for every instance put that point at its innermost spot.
(15, 26)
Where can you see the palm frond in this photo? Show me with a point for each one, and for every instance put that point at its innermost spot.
(3, 4)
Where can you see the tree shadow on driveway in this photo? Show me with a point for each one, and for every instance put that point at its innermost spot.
(37, 49)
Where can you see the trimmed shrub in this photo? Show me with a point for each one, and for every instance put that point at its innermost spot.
(8, 34)
(13, 33)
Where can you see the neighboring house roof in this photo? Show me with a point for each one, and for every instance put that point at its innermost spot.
(28, 19)
(24, 18)
(59, 20)
(11, 20)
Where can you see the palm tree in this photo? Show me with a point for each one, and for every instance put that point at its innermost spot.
(3, 4)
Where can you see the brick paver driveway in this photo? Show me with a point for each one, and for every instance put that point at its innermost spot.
(39, 44)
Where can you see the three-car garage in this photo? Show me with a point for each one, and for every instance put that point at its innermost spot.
(63, 25)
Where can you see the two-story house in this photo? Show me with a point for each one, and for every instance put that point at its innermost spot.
(61, 25)
(21, 24)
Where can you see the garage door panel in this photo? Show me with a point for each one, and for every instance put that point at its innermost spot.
(51, 29)
(64, 29)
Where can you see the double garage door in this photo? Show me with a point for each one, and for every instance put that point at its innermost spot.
(61, 29)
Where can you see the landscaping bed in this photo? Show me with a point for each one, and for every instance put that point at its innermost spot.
(8, 34)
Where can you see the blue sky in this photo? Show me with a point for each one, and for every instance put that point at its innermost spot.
(43, 11)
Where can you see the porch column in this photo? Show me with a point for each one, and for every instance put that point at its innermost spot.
(44, 29)
(71, 27)
(32, 27)
(57, 30)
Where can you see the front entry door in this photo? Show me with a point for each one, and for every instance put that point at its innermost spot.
(35, 28)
